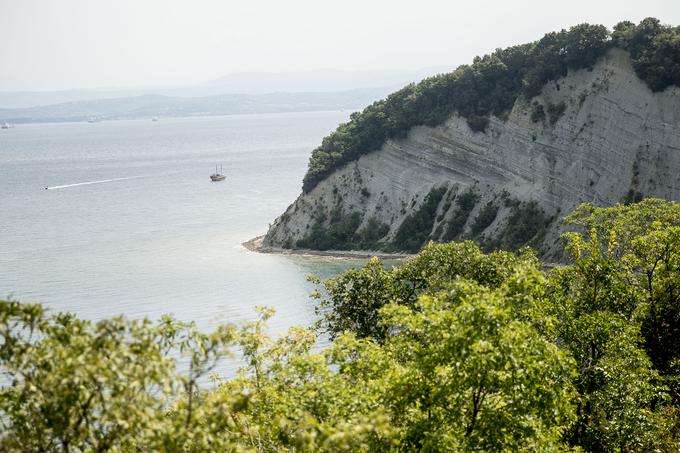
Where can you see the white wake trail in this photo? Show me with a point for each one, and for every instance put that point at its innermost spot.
(101, 181)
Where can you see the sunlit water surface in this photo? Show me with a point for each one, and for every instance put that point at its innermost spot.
(149, 234)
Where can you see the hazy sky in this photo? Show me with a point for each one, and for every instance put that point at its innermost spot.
(62, 44)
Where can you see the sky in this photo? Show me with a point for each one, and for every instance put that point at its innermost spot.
(86, 44)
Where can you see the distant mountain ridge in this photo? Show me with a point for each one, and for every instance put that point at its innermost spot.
(322, 80)
(150, 105)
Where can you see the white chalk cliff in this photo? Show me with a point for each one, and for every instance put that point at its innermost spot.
(615, 139)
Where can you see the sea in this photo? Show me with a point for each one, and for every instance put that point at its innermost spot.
(121, 218)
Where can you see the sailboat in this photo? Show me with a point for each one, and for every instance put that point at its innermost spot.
(217, 176)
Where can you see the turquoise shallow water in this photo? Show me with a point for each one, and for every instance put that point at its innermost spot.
(150, 234)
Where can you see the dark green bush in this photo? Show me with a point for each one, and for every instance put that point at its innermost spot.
(633, 196)
(485, 218)
(555, 112)
(654, 49)
(416, 228)
(527, 222)
(340, 233)
(370, 235)
(537, 112)
(465, 203)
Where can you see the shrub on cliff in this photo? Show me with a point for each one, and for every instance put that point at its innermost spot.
(654, 49)
(416, 228)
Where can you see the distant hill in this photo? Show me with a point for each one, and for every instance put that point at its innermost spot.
(147, 106)
(323, 80)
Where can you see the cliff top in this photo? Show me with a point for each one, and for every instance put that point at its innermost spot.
(492, 84)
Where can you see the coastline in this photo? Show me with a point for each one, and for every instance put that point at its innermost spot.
(255, 245)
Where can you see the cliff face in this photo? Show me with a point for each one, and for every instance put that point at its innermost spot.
(597, 135)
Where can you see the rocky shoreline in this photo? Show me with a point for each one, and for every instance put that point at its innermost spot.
(255, 245)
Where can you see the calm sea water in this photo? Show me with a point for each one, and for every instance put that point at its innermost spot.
(132, 224)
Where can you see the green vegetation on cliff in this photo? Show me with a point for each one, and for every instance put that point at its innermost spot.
(415, 230)
(492, 84)
(526, 224)
(455, 350)
(343, 233)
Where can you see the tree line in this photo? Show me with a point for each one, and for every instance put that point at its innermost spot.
(453, 350)
(492, 84)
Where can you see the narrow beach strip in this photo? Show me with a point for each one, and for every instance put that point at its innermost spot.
(255, 245)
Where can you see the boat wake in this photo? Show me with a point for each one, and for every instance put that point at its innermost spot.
(87, 183)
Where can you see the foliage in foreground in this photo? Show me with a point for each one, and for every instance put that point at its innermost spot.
(492, 84)
(455, 350)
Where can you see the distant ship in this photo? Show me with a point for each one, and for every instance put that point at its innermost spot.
(6, 125)
(155, 118)
(93, 119)
(217, 176)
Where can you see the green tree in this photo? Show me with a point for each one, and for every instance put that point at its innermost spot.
(454, 350)
(473, 376)
(75, 385)
(353, 299)
(603, 299)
